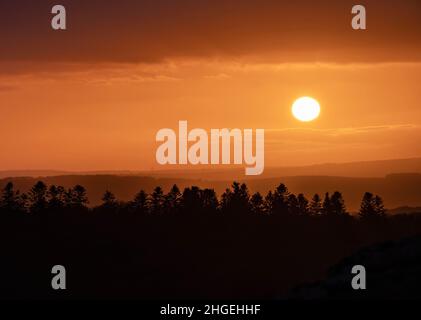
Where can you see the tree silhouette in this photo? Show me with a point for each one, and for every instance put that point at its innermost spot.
(237, 199)
(378, 204)
(56, 197)
(316, 205)
(140, 203)
(109, 200)
(174, 229)
(303, 206)
(293, 206)
(172, 200)
(257, 203)
(372, 208)
(157, 201)
(10, 200)
(327, 206)
(234, 201)
(337, 204)
(37, 197)
(210, 201)
(79, 199)
(280, 200)
(268, 203)
(193, 200)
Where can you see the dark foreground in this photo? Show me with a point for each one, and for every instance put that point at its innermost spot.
(194, 247)
(128, 256)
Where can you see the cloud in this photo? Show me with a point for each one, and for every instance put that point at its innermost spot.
(356, 137)
(4, 88)
(219, 76)
(333, 132)
(94, 74)
(274, 31)
(296, 146)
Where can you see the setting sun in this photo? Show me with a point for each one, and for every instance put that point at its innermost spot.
(306, 109)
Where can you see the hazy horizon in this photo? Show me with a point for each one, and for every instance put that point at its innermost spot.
(377, 168)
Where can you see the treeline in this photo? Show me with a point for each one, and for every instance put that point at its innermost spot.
(236, 200)
(191, 244)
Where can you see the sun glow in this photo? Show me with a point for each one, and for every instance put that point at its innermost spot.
(306, 109)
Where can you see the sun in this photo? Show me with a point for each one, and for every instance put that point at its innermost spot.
(306, 109)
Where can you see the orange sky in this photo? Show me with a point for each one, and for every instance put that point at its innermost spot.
(69, 103)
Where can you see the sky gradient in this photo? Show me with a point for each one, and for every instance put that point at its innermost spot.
(93, 97)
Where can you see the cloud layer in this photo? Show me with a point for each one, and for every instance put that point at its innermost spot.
(152, 31)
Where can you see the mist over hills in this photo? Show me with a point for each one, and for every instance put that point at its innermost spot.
(379, 168)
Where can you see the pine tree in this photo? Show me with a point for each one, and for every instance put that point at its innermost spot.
(79, 197)
(268, 204)
(109, 200)
(302, 204)
(10, 200)
(172, 200)
(379, 206)
(337, 204)
(237, 199)
(372, 207)
(56, 197)
(316, 205)
(293, 207)
(326, 207)
(140, 203)
(157, 201)
(257, 204)
(37, 197)
(280, 200)
(192, 200)
(209, 200)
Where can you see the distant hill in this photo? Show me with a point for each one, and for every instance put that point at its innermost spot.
(379, 168)
(31, 173)
(52, 173)
(398, 190)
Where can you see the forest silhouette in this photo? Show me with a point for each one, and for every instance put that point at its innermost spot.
(182, 244)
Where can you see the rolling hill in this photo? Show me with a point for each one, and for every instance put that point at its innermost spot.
(380, 168)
